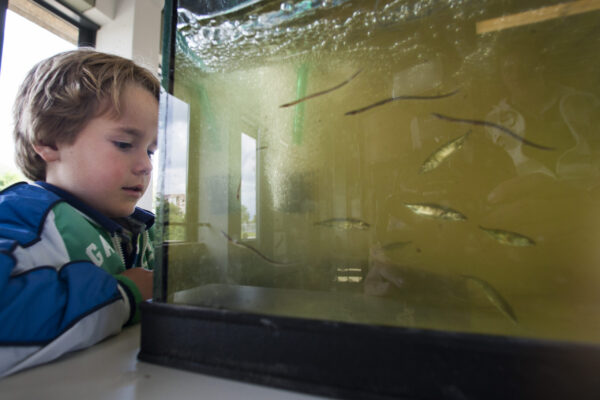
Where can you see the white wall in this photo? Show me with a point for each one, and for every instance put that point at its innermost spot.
(130, 28)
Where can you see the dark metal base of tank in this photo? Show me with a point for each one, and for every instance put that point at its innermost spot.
(354, 361)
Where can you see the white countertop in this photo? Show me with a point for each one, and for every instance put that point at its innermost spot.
(111, 370)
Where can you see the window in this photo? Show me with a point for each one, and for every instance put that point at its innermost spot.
(41, 41)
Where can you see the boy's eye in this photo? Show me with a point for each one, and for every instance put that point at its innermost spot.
(122, 145)
(150, 153)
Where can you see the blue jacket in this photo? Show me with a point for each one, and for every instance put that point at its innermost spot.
(59, 263)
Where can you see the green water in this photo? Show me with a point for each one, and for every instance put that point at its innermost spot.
(315, 163)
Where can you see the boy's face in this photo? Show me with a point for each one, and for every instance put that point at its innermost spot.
(108, 166)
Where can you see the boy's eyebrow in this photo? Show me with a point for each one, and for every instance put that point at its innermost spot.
(136, 133)
(131, 131)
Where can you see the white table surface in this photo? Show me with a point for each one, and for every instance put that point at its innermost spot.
(111, 370)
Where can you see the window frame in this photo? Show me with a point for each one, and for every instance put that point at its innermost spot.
(87, 27)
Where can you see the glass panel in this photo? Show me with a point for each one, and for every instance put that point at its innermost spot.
(173, 155)
(429, 164)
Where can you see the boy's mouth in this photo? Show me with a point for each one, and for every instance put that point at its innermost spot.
(136, 189)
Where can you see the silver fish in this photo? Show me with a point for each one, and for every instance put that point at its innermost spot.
(435, 211)
(436, 158)
(344, 223)
(494, 297)
(508, 238)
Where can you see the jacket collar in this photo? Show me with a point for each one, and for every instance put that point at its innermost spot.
(107, 223)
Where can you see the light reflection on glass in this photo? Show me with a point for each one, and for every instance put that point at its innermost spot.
(247, 187)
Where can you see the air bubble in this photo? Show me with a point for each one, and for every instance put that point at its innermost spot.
(286, 7)
(206, 33)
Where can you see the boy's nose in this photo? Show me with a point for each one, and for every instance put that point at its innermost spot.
(143, 165)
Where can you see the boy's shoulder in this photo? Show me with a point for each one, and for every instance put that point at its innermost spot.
(23, 209)
(26, 191)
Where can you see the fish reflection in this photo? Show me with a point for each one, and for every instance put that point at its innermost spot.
(310, 96)
(438, 156)
(494, 297)
(435, 211)
(508, 238)
(344, 224)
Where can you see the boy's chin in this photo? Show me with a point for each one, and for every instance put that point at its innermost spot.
(121, 213)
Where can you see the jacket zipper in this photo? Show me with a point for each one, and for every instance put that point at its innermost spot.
(117, 243)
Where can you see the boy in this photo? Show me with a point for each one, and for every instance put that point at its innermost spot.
(74, 249)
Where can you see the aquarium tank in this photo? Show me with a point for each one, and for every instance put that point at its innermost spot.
(423, 174)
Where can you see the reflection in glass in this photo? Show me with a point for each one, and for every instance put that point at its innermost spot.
(247, 187)
(173, 155)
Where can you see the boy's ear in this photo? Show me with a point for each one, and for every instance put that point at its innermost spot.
(48, 153)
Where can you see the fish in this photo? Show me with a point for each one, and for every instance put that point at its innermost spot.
(494, 297)
(435, 211)
(395, 246)
(445, 151)
(310, 96)
(261, 255)
(345, 224)
(495, 126)
(396, 98)
(508, 238)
